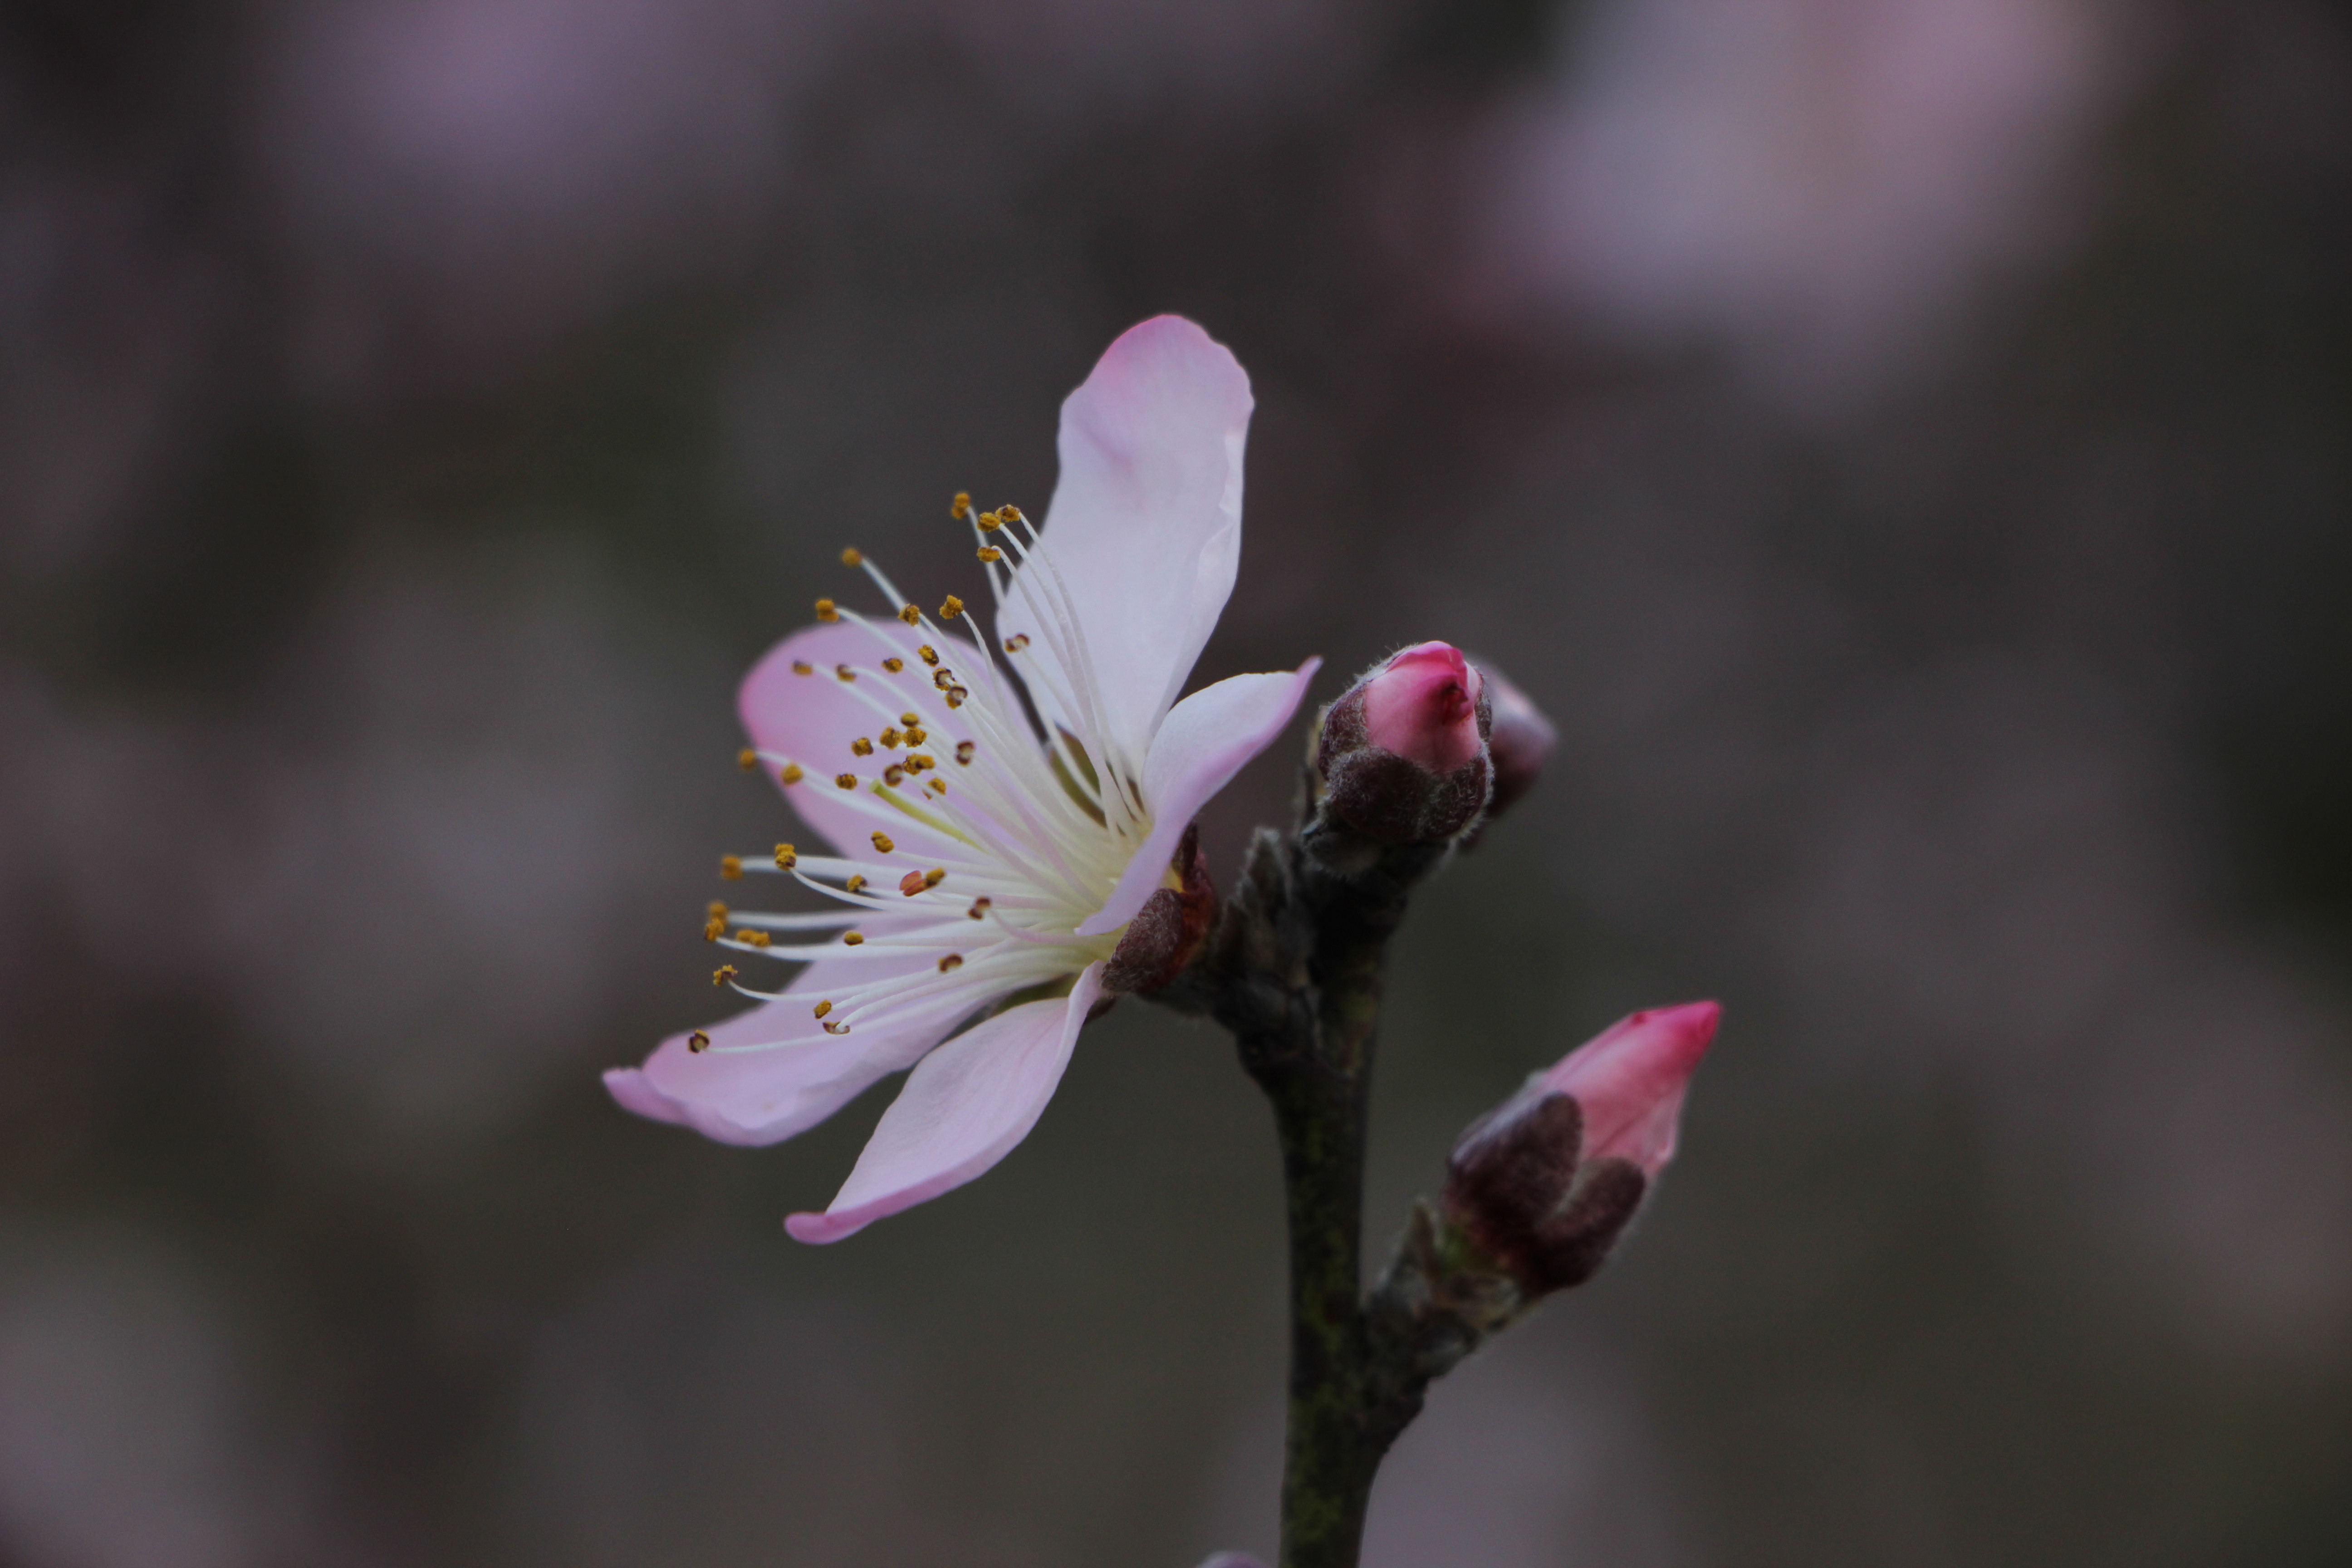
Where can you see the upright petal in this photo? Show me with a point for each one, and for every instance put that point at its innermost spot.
(1145, 527)
(963, 1109)
(766, 1096)
(1629, 1080)
(1207, 740)
(812, 718)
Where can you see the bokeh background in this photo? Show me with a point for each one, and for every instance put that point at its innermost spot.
(1906, 444)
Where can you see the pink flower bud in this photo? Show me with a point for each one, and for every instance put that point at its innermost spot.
(1521, 740)
(1548, 1181)
(1404, 751)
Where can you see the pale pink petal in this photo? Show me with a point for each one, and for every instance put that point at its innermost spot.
(963, 1109)
(1629, 1080)
(812, 718)
(1145, 528)
(764, 1097)
(1207, 740)
(1423, 705)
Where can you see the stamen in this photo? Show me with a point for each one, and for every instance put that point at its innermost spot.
(990, 521)
(722, 974)
(937, 787)
(844, 673)
(1009, 512)
(786, 858)
(917, 762)
(889, 738)
(894, 776)
(882, 843)
(718, 910)
(732, 867)
(698, 1042)
(850, 557)
(935, 875)
(911, 613)
(910, 719)
(862, 747)
(912, 883)
(790, 773)
(894, 664)
(853, 938)
(963, 508)
(915, 734)
(943, 678)
(754, 938)
(836, 1029)
(846, 780)
(803, 667)
(957, 696)
(989, 553)
(951, 608)
(855, 882)
(820, 1009)
(979, 908)
(747, 759)
(826, 611)
(714, 928)
(1016, 642)
(963, 754)
(951, 963)
(930, 655)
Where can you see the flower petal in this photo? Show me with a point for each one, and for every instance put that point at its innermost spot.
(963, 1109)
(1205, 741)
(1145, 527)
(766, 1096)
(812, 718)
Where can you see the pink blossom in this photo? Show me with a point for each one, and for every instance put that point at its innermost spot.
(973, 858)
(1521, 740)
(1630, 1079)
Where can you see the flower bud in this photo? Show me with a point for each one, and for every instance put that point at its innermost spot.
(1404, 751)
(1520, 741)
(1547, 1182)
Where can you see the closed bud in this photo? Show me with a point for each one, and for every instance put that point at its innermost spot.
(1547, 1182)
(1404, 751)
(1520, 741)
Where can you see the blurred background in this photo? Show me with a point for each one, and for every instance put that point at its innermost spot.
(1906, 444)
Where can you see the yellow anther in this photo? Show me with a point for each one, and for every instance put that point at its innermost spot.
(1009, 512)
(722, 974)
(882, 843)
(846, 780)
(850, 557)
(786, 858)
(937, 787)
(912, 883)
(862, 746)
(718, 910)
(910, 719)
(855, 882)
(956, 695)
(890, 737)
(979, 908)
(914, 735)
(990, 521)
(935, 875)
(963, 754)
(732, 867)
(951, 608)
(844, 673)
(803, 667)
(963, 508)
(827, 613)
(747, 759)
(853, 938)
(791, 773)
(752, 938)
(836, 1029)
(698, 1042)
(989, 553)
(912, 614)
(894, 776)
(943, 678)
(714, 928)
(820, 1009)
(894, 664)
(917, 762)
(930, 655)
(1014, 644)
(951, 963)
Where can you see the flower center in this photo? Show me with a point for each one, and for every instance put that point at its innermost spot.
(1016, 828)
